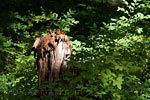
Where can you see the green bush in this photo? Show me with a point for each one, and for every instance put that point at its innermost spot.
(112, 59)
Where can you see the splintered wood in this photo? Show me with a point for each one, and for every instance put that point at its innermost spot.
(52, 52)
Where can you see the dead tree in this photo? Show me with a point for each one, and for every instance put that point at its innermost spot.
(51, 52)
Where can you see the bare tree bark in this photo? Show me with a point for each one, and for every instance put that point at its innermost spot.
(52, 51)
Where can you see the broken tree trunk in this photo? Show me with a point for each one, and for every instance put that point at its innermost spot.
(51, 51)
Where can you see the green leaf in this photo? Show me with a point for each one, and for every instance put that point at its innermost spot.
(140, 30)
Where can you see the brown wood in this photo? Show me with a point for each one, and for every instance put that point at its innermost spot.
(52, 52)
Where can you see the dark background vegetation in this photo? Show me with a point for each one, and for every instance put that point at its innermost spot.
(110, 41)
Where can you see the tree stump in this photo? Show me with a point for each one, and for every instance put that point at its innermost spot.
(52, 52)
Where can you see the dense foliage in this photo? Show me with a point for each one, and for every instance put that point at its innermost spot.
(110, 41)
